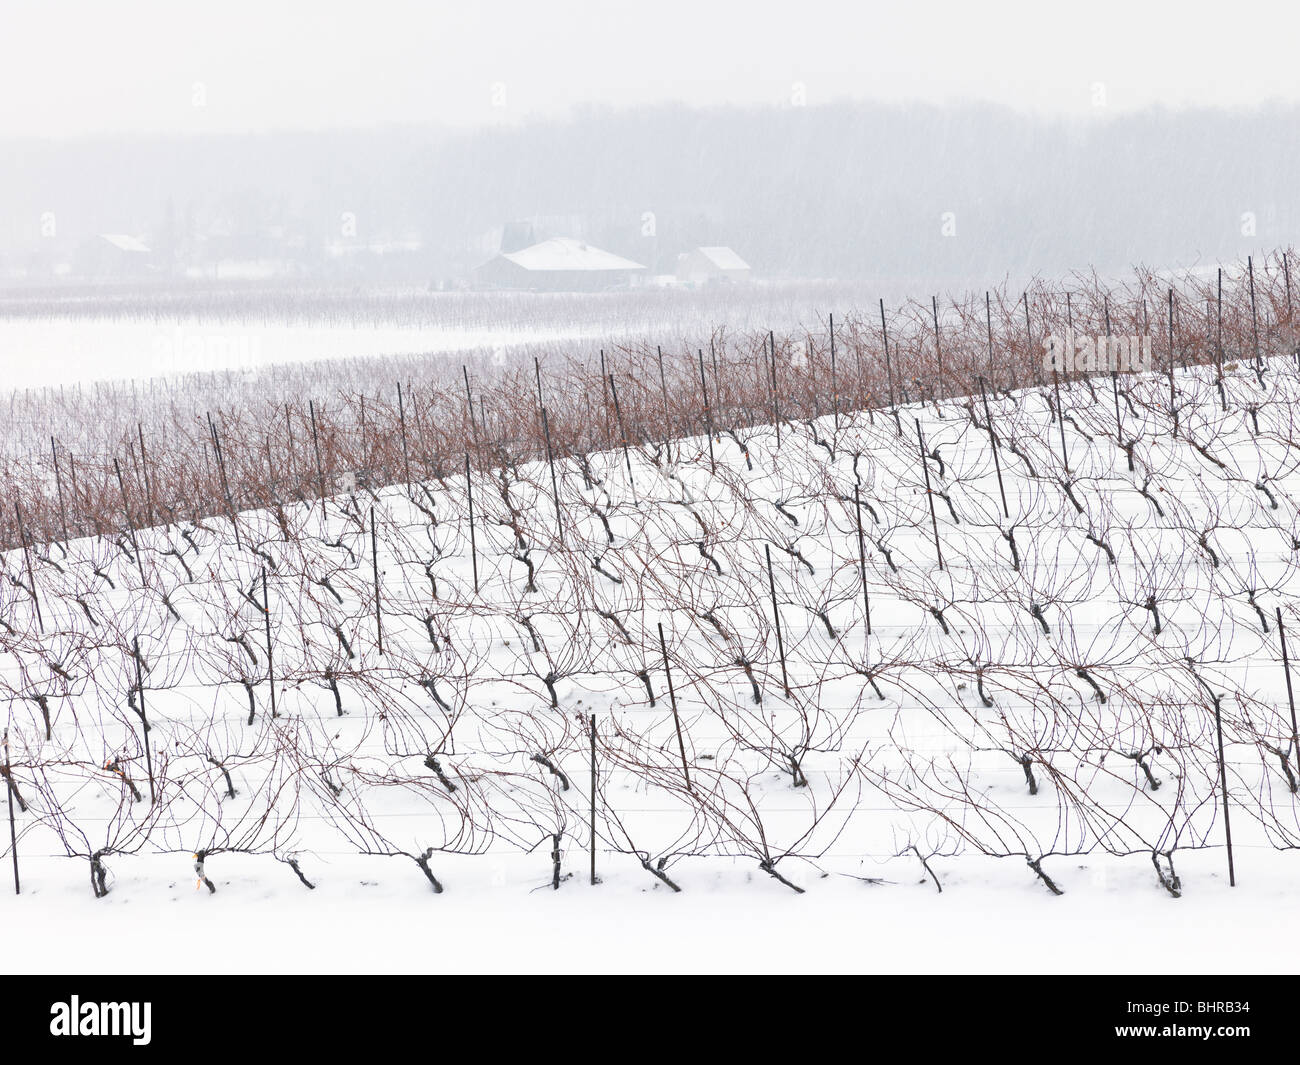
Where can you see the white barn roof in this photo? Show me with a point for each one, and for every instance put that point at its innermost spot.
(564, 253)
(724, 258)
(124, 243)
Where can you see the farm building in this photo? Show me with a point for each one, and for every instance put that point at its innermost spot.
(711, 265)
(560, 264)
(114, 255)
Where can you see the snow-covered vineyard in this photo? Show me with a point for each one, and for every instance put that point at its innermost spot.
(987, 626)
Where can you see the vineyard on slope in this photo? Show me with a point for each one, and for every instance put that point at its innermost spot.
(801, 629)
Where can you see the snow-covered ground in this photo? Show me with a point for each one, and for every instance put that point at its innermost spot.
(368, 916)
(39, 353)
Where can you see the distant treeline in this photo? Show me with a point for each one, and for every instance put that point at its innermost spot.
(852, 190)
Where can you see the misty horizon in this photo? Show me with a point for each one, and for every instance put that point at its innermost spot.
(839, 191)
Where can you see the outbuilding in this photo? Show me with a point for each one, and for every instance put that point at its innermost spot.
(712, 265)
(560, 264)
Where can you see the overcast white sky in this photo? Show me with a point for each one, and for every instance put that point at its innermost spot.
(69, 69)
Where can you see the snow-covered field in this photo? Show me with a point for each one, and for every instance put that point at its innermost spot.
(46, 354)
(1033, 710)
(501, 916)
(136, 333)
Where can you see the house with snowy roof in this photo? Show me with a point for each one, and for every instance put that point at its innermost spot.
(712, 265)
(114, 255)
(560, 264)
